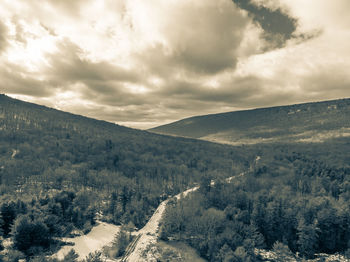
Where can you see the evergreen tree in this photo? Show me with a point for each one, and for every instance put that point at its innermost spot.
(1, 226)
(121, 241)
(71, 256)
(94, 257)
(8, 214)
(30, 236)
(282, 252)
(307, 238)
(225, 254)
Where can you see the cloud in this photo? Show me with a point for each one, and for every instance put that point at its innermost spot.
(230, 91)
(15, 80)
(3, 37)
(201, 37)
(320, 83)
(68, 7)
(68, 64)
(144, 63)
(278, 26)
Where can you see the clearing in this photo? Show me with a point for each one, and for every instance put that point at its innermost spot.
(99, 236)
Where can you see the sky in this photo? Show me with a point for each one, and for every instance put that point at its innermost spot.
(144, 63)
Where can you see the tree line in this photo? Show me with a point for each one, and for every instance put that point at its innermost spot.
(290, 200)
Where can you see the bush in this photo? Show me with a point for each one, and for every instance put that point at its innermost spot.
(14, 255)
(93, 257)
(30, 237)
(121, 241)
(347, 253)
(43, 258)
(282, 251)
(71, 256)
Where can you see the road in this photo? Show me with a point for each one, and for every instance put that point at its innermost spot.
(150, 232)
(104, 233)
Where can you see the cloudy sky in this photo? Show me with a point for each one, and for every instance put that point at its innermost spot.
(144, 63)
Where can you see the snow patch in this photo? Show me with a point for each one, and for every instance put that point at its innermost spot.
(100, 236)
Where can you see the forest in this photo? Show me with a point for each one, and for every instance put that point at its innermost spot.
(59, 173)
(294, 200)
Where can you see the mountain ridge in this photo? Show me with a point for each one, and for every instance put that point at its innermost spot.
(37, 107)
(265, 124)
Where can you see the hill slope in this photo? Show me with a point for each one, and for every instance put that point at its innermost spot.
(309, 122)
(45, 150)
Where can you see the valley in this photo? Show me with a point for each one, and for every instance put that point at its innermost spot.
(288, 191)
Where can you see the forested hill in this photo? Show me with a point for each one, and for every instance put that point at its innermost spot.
(61, 172)
(309, 122)
(58, 170)
(21, 115)
(43, 140)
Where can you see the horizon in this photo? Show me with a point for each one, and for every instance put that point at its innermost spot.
(177, 120)
(145, 64)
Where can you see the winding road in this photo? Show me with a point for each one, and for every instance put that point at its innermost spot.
(104, 233)
(150, 232)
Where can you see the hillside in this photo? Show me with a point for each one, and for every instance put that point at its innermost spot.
(36, 141)
(309, 122)
(60, 172)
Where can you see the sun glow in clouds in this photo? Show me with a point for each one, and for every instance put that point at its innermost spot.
(134, 61)
(29, 44)
(137, 89)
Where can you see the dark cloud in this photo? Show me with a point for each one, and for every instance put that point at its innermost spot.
(278, 26)
(69, 65)
(180, 98)
(102, 81)
(17, 80)
(116, 95)
(140, 113)
(229, 92)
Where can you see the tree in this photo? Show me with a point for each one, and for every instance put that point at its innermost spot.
(1, 226)
(14, 255)
(307, 238)
(43, 258)
(121, 241)
(241, 255)
(282, 252)
(71, 256)
(225, 254)
(205, 184)
(94, 257)
(8, 213)
(30, 236)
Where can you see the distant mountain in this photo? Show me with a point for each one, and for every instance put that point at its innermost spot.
(309, 122)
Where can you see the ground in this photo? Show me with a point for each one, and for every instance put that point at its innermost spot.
(100, 236)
